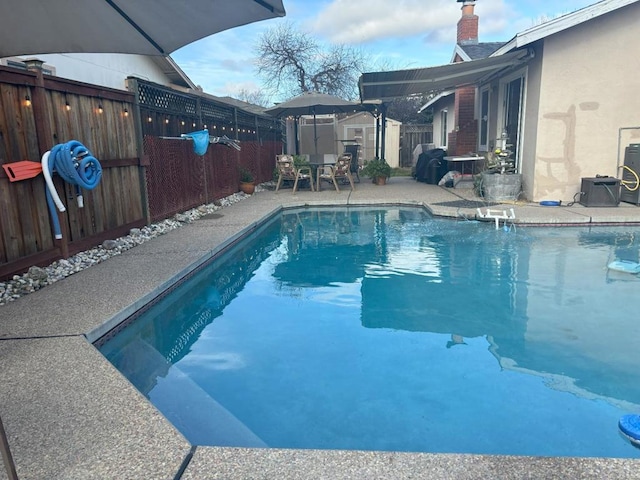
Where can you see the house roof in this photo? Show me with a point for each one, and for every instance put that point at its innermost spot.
(559, 24)
(435, 99)
(249, 107)
(173, 72)
(382, 86)
(475, 51)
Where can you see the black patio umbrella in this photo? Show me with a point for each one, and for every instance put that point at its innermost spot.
(144, 27)
(314, 103)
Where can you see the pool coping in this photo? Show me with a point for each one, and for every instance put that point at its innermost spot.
(63, 419)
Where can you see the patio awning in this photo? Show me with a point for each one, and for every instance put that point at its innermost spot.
(383, 86)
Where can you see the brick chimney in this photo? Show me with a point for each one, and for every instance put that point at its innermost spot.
(468, 24)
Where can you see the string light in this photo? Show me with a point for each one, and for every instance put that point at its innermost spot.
(166, 120)
(126, 112)
(67, 107)
(149, 119)
(100, 110)
(27, 100)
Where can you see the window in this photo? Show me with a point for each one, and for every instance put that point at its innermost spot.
(443, 128)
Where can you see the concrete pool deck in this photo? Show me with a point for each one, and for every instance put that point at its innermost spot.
(69, 414)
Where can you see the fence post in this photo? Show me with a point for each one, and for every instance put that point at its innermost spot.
(132, 86)
(44, 133)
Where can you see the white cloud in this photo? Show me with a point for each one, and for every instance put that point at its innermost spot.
(358, 22)
(362, 21)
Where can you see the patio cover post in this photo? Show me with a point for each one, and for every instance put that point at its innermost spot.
(315, 132)
(383, 135)
(377, 150)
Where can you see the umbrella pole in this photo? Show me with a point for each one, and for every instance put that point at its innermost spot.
(315, 133)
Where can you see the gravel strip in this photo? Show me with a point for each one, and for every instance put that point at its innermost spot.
(38, 277)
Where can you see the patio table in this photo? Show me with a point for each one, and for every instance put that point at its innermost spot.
(464, 160)
(320, 160)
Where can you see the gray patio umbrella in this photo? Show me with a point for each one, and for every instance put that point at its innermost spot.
(314, 103)
(145, 27)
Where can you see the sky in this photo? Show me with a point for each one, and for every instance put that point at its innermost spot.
(398, 34)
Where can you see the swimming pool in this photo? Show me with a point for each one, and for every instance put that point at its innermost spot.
(387, 329)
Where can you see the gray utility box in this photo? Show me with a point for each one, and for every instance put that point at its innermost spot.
(632, 163)
(600, 192)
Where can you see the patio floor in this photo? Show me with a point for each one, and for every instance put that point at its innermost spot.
(69, 414)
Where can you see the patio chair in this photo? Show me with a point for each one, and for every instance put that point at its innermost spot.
(341, 170)
(287, 170)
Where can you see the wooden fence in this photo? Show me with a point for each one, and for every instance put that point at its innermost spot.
(412, 136)
(122, 131)
(171, 164)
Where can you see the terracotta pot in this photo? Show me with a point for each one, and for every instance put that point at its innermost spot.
(247, 188)
(381, 180)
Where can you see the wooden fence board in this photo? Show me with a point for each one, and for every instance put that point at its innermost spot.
(24, 207)
(10, 223)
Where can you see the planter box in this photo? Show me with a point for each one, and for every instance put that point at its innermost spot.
(499, 187)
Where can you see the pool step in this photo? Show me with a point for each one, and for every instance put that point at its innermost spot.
(201, 419)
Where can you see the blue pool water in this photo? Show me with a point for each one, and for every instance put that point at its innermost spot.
(387, 329)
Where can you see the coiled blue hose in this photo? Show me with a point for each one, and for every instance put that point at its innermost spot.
(77, 166)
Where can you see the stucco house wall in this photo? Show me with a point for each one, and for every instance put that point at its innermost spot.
(589, 89)
(111, 69)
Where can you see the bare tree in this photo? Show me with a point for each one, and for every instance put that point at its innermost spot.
(256, 97)
(405, 109)
(291, 62)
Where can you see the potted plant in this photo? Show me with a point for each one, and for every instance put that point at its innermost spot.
(499, 181)
(378, 170)
(247, 184)
(301, 161)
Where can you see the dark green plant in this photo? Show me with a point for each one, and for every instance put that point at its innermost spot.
(300, 161)
(246, 176)
(376, 168)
